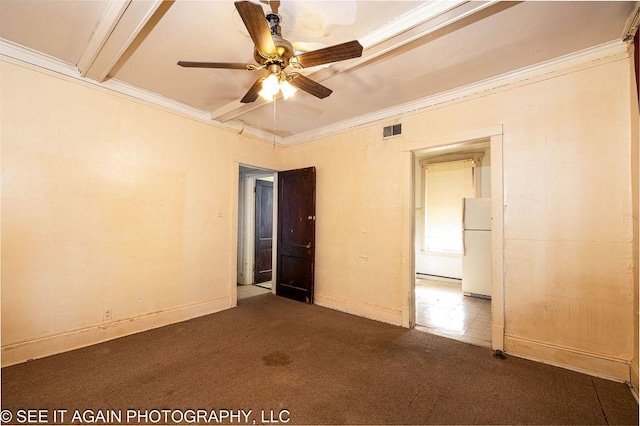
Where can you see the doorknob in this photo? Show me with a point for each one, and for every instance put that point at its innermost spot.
(308, 245)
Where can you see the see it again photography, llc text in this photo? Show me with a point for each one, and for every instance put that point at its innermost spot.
(154, 416)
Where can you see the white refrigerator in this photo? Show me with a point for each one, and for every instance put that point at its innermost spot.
(476, 259)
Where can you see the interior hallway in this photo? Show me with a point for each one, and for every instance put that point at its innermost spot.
(442, 308)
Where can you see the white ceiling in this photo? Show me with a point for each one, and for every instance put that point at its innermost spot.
(413, 49)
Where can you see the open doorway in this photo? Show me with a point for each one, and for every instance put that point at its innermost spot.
(256, 228)
(453, 291)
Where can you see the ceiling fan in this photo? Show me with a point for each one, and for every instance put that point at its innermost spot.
(274, 54)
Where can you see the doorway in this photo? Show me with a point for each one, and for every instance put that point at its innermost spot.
(256, 227)
(453, 262)
(413, 245)
(293, 251)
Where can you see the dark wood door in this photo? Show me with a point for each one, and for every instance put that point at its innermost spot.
(263, 244)
(296, 234)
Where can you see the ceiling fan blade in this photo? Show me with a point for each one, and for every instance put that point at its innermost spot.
(253, 17)
(339, 52)
(225, 65)
(310, 86)
(253, 93)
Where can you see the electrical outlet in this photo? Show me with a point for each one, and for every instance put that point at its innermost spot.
(106, 316)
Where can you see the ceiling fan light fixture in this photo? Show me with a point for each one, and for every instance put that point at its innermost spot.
(270, 84)
(270, 87)
(287, 89)
(266, 96)
(274, 54)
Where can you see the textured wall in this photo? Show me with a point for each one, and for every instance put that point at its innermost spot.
(109, 204)
(568, 231)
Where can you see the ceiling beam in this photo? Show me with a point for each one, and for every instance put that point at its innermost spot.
(631, 28)
(119, 26)
(414, 25)
(108, 21)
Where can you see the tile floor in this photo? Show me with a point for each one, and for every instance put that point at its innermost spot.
(266, 284)
(442, 308)
(245, 291)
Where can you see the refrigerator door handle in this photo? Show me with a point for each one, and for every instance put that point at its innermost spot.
(464, 226)
(464, 242)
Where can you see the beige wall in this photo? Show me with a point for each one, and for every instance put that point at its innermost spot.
(568, 238)
(112, 203)
(108, 203)
(358, 225)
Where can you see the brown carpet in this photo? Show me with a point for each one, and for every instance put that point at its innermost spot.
(323, 366)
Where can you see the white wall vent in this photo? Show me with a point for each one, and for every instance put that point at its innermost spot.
(394, 130)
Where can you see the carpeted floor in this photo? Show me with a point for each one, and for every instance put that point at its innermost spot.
(321, 366)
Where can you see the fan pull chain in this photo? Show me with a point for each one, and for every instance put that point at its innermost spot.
(274, 122)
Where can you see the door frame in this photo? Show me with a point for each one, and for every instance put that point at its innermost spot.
(267, 166)
(495, 136)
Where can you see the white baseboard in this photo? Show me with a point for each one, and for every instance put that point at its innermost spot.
(361, 309)
(15, 353)
(583, 362)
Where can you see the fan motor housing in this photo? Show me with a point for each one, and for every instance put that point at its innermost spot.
(284, 51)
